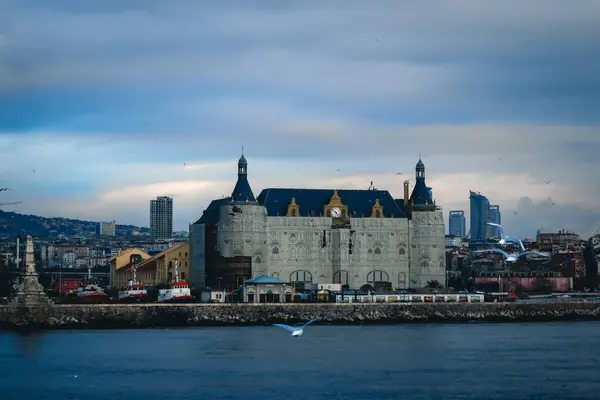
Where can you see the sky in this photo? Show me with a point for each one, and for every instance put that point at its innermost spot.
(102, 103)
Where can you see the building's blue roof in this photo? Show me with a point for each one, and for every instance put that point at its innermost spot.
(242, 191)
(312, 201)
(211, 214)
(421, 194)
(400, 204)
(264, 279)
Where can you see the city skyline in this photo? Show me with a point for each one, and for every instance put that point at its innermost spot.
(327, 96)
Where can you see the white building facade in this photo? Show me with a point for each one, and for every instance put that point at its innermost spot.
(314, 236)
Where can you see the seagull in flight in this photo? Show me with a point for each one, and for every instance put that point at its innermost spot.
(5, 189)
(298, 330)
(548, 182)
(511, 258)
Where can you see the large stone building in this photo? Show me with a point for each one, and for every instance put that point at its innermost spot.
(304, 236)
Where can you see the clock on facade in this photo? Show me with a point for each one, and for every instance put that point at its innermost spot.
(336, 212)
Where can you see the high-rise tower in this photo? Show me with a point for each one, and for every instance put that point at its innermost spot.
(161, 218)
(480, 207)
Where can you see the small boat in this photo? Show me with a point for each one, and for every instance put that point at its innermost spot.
(135, 292)
(178, 291)
(90, 294)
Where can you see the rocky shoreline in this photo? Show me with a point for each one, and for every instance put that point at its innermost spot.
(119, 316)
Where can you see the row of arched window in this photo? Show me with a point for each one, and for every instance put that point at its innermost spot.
(372, 254)
(343, 277)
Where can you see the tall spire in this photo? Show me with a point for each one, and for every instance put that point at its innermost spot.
(420, 170)
(242, 191)
(421, 195)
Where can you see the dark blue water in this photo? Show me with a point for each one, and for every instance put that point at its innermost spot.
(468, 361)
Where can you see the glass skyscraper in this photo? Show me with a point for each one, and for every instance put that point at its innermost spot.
(480, 207)
(457, 224)
(495, 217)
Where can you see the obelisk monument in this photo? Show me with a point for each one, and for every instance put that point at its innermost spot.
(30, 293)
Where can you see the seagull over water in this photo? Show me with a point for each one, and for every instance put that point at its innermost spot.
(298, 330)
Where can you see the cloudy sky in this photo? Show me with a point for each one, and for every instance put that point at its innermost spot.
(102, 103)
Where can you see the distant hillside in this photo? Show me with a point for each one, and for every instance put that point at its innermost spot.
(12, 224)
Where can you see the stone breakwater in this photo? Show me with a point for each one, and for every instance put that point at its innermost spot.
(181, 315)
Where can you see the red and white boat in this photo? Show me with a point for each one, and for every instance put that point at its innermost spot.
(135, 292)
(178, 291)
(90, 293)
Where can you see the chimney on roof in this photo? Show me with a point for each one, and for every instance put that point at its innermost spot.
(406, 197)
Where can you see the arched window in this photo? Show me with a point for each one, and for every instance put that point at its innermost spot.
(424, 265)
(275, 252)
(341, 277)
(377, 276)
(377, 214)
(442, 265)
(293, 212)
(301, 276)
(402, 251)
(402, 284)
(275, 275)
(329, 213)
(377, 254)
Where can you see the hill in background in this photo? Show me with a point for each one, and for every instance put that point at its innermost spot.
(13, 224)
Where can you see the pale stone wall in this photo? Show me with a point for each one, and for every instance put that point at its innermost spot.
(405, 253)
(379, 251)
(244, 234)
(295, 250)
(427, 248)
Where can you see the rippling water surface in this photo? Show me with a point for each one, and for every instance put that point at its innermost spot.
(438, 361)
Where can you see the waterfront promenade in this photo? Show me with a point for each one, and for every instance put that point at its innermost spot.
(179, 315)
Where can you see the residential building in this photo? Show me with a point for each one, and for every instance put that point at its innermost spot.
(106, 228)
(161, 218)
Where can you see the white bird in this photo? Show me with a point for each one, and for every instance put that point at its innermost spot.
(511, 258)
(297, 330)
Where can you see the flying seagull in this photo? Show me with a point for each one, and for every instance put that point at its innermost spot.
(511, 258)
(5, 189)
(298, 330)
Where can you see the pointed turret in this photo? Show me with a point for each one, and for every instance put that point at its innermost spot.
(242, 192)
(421, 195)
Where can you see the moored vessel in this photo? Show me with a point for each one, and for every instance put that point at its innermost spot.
(89, 292)
(178, 291)
(135, 292)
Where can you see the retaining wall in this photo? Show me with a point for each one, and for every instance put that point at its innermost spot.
(172, 315)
